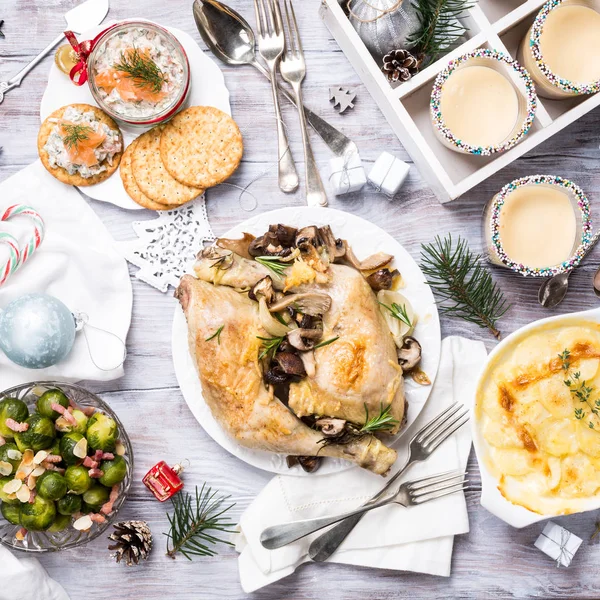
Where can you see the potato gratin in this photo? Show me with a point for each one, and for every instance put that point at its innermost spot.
(537, 411)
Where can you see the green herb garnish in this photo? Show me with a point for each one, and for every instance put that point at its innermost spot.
(579, 389)
(279, 317)
(398, 312)
(142, 69)
(326, 342)
(383, 422)
(269, 345)
(216, 334)
(273, 263)
(75, 133)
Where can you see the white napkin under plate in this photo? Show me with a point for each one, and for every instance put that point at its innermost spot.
(78, 264)
(416, 539)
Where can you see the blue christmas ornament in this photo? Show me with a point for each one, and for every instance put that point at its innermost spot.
(36, 331)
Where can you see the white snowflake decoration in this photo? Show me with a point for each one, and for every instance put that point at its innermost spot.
(167, 246)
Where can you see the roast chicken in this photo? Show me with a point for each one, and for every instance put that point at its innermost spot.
(333, 388)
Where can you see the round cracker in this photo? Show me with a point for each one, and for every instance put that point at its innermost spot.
(62, 174)
(201, 146)
(151, 176)
(130, 185)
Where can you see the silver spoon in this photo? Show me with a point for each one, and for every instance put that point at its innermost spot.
(231, 40)
(554, 289)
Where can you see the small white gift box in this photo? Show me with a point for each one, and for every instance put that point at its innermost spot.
(347, 174)
(388, 174)
(558, 543)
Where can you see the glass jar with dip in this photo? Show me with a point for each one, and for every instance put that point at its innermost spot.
(561, 50)
(538, 225)
(478, 108)
(138, 73)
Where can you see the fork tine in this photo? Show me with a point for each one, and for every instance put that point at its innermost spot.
(441, 429)
(431, 478)
(432, 482)
(441, 417)
(446, 491)
(448, 432)
(291, 47)
(277, 13)
(257, 9)
(297, 31)
(271, 16)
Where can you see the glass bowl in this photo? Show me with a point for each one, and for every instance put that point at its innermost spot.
(43, 541)
(174, 51)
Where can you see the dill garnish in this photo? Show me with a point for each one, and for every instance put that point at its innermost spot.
(75, 133)
(142, 69)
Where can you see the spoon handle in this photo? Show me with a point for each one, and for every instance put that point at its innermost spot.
(337, 142)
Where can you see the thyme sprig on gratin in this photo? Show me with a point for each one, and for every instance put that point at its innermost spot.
(461, 280)
(273, 263)
(579, 389)
(398, 312)
(75, 133)
(142, 69)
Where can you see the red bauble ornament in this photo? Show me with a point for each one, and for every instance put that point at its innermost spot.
(163, 481)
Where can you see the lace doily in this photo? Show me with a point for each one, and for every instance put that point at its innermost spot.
(168, 245)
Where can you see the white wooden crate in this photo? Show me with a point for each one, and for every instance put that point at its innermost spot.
(496, 24)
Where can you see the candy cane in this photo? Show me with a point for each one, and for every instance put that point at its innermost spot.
(12, 264)
(33, 242)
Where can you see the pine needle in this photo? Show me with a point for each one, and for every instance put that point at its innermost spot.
(440, 29)
(460, 279)
(193, 519)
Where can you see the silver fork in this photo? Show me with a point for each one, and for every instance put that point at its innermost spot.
(410, 493)
(293, 70)
(271, 43)
(420, 448)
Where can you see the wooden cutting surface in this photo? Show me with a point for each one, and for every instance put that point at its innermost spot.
(493, 560)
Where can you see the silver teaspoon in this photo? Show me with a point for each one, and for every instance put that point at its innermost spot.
(231, 39)
(554, 289)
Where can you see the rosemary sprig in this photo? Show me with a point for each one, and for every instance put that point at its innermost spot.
(273, 263)
(579, 389)
(142, 69)
(193, 519)
(382, 422)
(398, 312)
(440, 27)
(326, 342)
(75, 133)
(216, 334)
(459, 277)
(269, 345)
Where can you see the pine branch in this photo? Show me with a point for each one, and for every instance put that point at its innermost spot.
(193, 519)
(460, 279)
(440, 29)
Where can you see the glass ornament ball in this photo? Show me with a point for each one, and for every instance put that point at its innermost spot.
(36, 331)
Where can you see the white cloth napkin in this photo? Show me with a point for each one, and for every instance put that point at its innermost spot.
(417, 539)
(78, 264)
(25, 578)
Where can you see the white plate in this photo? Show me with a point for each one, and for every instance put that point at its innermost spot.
(365, 239)
(208, 89)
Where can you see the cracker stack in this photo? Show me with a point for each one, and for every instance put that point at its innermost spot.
(174, 163)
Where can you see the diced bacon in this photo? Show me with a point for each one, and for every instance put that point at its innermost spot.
(88, 411)
(90, 463)
(97, 518)
(107, 507)
(2, 441)
(52, 467)
(53, 458)
(32, 495)
(64, 412)
(98, 455)
(95, 473)
(108, 456)
(17, 427)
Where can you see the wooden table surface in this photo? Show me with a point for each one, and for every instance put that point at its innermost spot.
(493, 560)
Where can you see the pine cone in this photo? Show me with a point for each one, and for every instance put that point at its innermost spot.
(399, 65)
(133, 541)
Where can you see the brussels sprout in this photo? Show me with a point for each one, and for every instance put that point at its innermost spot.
(55, 448)
(11, 512)
(102, 432)
(51, 485)
(96, 496)
(11, 408)
(7, 498)
(69, 504)
(39, 515)
(82, 423)
(114, 471)
(78, 479)
(5, 455)
(60, 522)
(39, 436)
(45, 401)
(67, 444)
